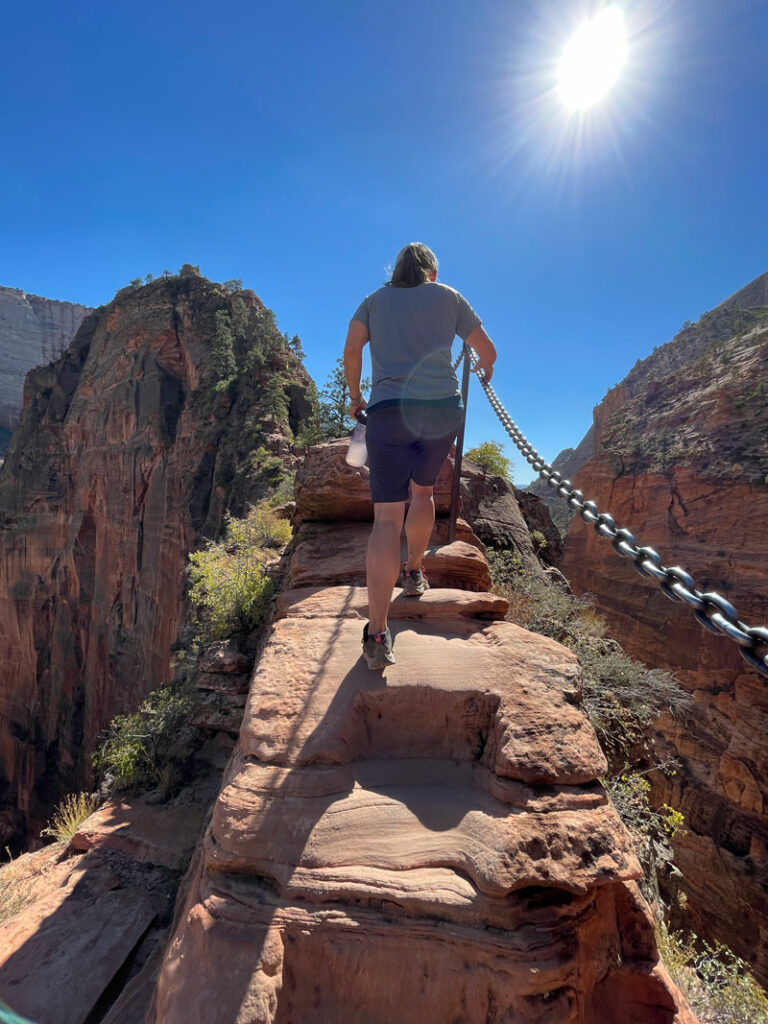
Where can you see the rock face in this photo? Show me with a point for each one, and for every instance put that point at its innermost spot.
(128, 451)
(427, 844)
(33, 331)
(680, 459)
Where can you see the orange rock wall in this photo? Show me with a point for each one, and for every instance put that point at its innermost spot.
(718, 531)
(112, 476)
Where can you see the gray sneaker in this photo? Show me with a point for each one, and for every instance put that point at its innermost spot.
(413, 582)
(377, 649)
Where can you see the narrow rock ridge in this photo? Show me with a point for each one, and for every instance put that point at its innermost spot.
(426, 844)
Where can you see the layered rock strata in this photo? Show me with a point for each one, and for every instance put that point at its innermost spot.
(680, 459)
(129, 450)
(429, 843)
(33, 331)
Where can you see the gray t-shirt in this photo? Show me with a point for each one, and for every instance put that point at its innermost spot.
(411, 331)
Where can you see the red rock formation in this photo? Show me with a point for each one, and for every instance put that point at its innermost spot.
(126, 454)
(429, 844)
(680, 460)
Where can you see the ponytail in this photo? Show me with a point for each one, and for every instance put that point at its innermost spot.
(415, 263)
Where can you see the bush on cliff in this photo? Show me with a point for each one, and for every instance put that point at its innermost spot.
(69, 815)
(151, 747)
(716, 982)
(489, 455)
(231, 584)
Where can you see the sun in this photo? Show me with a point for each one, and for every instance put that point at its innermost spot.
(592, 59)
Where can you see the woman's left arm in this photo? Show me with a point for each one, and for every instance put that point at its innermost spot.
(357, 339)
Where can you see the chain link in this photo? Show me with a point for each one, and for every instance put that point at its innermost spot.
(714, 612)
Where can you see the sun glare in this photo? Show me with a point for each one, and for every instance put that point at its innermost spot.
(592, 59)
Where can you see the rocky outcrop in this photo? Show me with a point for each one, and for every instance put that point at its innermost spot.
(681, 457)
(329, 490)
(423, 845)
(33, 331)
(130, 447)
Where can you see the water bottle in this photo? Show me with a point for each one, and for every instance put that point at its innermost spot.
(357, 453)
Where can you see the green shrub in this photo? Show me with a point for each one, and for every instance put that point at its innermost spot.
(716, 982)
(490, 456)
(540, 605)
(230, 583)
(151, 747)
(69, 815)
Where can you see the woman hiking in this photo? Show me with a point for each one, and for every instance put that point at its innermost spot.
(414, 413)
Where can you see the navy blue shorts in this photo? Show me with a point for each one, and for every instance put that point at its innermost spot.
(408, 442)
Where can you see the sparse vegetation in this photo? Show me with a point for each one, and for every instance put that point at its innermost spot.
(489, 455)
(13, 895)
(230, 582)
(149, 748)
(716, 982)
(69, 816)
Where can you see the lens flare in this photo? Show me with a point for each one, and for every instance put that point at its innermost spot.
(593, 59)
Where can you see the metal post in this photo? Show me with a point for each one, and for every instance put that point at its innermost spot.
(459, 450)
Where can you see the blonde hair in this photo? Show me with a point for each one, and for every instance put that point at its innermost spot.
(415, 262)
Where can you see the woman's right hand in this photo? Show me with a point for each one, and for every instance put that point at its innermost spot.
(357, 406)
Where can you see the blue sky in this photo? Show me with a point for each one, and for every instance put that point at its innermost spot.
(299, 146)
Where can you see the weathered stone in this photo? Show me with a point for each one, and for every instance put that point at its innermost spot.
(121, 464)
(315, 561)
(73, 938)
(327, 489)
(220, 682)
(679, 457)
(161, 835)
(352, 602)
(219, 711)
(224, 657)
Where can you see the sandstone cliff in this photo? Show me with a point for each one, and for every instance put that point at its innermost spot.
(680, 458)
(429, 844)
(130, 447)
(33, 331)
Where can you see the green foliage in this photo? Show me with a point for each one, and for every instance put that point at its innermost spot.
(332, 418)
(230, 583)
(296, 346)
(539, 540)
(235, 285)
(272, 403)
(136, 282)
(69, 816)
(715, 981)
(490, 456)
(222, 349)
(140, 749)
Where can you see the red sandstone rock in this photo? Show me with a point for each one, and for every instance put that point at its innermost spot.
(707, 511)
(426, 844)
(327, 489)
(122, 461)
(224, 658)
(315, 561)
(148, 834)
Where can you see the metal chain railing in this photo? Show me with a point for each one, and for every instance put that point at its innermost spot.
(714, 612)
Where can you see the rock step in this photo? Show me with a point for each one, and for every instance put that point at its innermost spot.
(352, 603)
(461, 690)
(328, 554)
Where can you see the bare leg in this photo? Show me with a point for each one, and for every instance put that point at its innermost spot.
(383, 561)
(419, 524)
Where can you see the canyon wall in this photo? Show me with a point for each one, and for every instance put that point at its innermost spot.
(681, 459)
(33, 331)
(130, 447)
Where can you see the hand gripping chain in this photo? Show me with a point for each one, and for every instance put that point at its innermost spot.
(712, 610)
